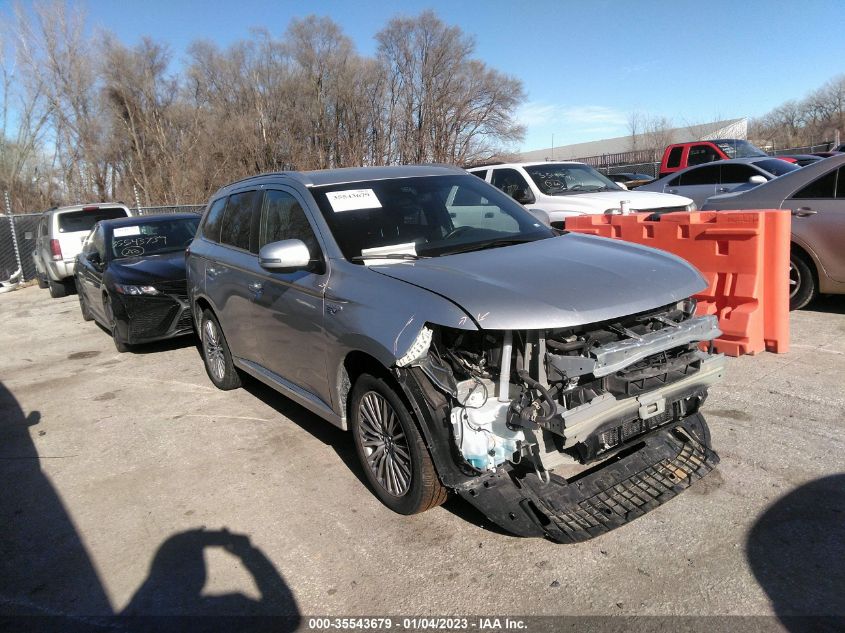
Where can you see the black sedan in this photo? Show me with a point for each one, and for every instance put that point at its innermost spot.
(131, 277)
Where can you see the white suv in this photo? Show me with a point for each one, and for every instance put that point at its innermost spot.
(59, 240)
(562, 189)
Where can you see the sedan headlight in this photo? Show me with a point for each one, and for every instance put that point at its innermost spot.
(125, 289)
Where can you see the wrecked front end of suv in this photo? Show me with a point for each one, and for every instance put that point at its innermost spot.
(567, 432)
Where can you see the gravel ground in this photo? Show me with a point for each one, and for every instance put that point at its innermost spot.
(131, 485)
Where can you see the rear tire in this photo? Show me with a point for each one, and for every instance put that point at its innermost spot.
(802, 281)
(216, 355)
(42, 281)
(393, 455)
(57, 289)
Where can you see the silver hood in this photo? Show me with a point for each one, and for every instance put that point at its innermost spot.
(565, 281)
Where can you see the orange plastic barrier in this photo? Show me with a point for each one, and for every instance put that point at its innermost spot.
(743, 255)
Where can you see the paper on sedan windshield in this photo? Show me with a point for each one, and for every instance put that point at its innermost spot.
(353, 199)
(123, 231)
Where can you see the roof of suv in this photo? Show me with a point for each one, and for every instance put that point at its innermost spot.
(343, 175)
(86, 206)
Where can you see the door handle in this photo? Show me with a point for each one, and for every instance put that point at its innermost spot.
(803, 212)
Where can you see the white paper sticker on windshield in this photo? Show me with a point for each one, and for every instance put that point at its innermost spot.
(123, 231)
(353, 199)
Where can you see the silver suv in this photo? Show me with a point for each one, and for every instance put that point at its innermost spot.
(553, 381)
(59, 239)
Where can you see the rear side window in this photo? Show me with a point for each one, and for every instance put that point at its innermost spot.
(211, 226)
(73, 221)
(823, 187)
(282, 218)
(236, 226)
(703, 176)
(840, 187)
(675, 157)
(481, 174)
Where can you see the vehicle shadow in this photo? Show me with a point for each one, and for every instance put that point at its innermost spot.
(341, 443)
(327, 433)
(46, 570)
(832, 304)
(796, 550)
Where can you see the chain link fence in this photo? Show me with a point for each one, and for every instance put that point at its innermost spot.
(17, 240)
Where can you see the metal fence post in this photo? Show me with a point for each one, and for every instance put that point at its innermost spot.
(13, 232)
(137, 199)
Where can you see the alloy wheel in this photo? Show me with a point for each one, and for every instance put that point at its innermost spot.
(213, 350)
(385, 444)
(794, 280)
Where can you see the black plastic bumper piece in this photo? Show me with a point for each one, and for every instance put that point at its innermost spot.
(608, 496)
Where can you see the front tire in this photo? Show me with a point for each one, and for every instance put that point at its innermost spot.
(802, 281)
(216, 355)
(393, 455)
(119, 345)
(83, 304)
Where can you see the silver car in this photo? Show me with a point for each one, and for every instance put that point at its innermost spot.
(467, 347)
(703, 181)
(816, 196)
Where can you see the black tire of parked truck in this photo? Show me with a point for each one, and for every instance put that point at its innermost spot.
(391, 449)
(42, 281)
(58, 289)
(802, 281)
(216, 355)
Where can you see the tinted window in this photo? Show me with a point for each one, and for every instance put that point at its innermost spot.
(509, 181)
(776, 166)
(735, 148)
(152, 238)
(481, 174)
(823, 187)
(700, 154)
(675, 157)
(735, 172)
(236, 225)
(72, 221)
(840, 187)
(282, 218)
(708, 175)
(211, 225)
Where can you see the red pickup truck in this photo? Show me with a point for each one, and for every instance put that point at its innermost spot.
(682, 155)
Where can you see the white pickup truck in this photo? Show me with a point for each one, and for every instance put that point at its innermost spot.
(563, 189)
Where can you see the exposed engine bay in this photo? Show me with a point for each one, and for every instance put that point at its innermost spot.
(548, 402)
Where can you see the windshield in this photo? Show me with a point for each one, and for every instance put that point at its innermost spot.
(555, 179)
(739, 149)
(152, 238)
(426, 216)
(776, 166)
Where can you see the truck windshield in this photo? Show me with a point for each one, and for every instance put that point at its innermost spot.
(736, 148)
(555, 179)
(426, 216)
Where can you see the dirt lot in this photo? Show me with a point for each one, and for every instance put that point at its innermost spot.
(130, 484)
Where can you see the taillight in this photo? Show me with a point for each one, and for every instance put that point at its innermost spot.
(56, 249)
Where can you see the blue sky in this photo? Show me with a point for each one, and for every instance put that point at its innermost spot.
(585, 65)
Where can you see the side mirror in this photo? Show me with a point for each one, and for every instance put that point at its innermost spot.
(757, 180)
(284, 255)
(523, 196)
